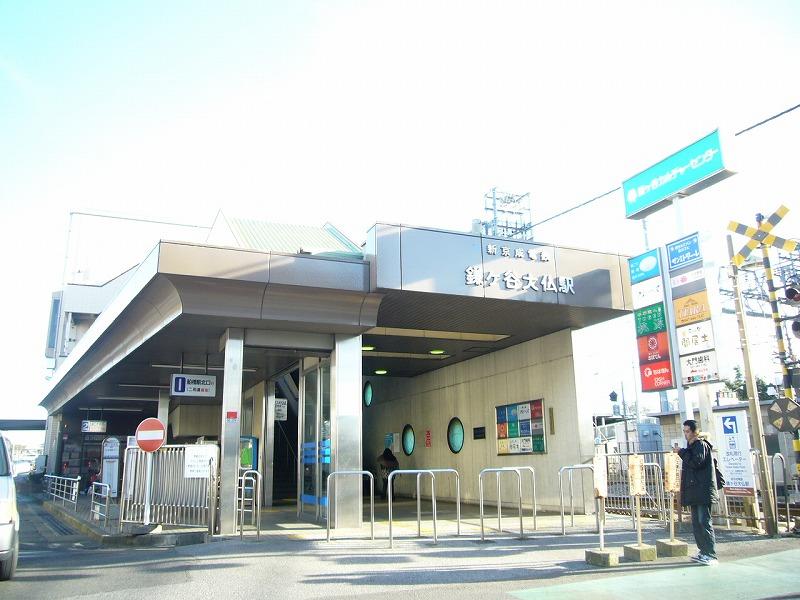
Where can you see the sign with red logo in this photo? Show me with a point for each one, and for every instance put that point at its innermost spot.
(427, 438)
(653, 347)
(657, 376)
(150, 435)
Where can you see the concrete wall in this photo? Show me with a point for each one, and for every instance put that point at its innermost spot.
(541, 368)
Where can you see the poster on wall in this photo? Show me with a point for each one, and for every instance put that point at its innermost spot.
(520, 428)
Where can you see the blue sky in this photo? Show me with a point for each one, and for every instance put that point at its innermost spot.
(353, 112)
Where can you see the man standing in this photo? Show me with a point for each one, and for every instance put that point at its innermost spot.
(387, 462)
(699, 490)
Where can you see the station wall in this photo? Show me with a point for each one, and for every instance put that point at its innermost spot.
(470, 390)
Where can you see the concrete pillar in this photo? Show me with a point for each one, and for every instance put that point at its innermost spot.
(346, 428)
(268, 445)
(232, 344)
(163, 406)
(706, 411)
(52, 439)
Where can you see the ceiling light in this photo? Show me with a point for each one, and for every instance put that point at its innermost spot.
(368, 348)
(435, 352)
(381, 372)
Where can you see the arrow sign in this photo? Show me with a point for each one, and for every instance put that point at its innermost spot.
(729, 425)
(784, 414)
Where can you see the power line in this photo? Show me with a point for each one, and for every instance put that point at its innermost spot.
(760, 123)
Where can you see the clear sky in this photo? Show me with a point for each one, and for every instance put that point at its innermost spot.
(353, 112)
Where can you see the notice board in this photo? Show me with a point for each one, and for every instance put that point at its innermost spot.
(520, 428)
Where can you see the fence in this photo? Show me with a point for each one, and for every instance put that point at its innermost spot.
(177, 485)
(99, 505)
(63, 488)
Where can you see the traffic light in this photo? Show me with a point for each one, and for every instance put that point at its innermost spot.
(613, 396)
(792, 291)
(796, 328)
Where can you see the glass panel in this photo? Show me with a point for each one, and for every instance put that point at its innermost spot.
(309, 441)
(455, 435)
(408, 440)
(325, 435)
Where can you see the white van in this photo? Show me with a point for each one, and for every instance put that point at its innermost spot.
(9, 515)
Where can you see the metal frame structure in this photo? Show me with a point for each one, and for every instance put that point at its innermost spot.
(418, 473)
(332, 479)
(498, 471)
(64, 489)
(786, 498)
(570, 469)
(101, 490)
(254, 477)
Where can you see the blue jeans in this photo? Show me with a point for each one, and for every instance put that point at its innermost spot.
(703, 531)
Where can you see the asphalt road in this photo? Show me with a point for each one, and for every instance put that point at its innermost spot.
(56, 563)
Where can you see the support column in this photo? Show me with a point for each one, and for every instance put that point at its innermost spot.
(52, 443)
(232, 344)
(163, 406)
(346, 428)
(268, 460)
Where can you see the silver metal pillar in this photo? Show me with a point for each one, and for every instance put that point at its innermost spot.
(268, 429)
(163, 406)
(232, 343)
(52, 441)
(346, 428)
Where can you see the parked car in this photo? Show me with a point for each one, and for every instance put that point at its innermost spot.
(9, 515)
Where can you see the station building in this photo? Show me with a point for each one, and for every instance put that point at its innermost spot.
(454, 349)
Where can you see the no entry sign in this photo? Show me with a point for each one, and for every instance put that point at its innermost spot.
(150, 435)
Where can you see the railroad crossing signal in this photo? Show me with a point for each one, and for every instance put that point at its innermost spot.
(762, 235)
(784, 414)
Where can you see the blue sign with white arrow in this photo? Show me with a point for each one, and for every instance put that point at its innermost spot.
(729, 425)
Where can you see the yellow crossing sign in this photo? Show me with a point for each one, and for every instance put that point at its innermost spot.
(762, 235)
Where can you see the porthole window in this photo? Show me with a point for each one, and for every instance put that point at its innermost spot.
(455, 435)
(367, 394)
(408, 440)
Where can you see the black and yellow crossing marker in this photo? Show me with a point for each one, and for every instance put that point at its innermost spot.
(761, 236)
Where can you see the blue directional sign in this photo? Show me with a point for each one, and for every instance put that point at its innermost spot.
(729, 425)
(178, 385)
(684, 252)
(644, 266)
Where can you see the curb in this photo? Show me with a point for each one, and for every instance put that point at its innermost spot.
(168, 539)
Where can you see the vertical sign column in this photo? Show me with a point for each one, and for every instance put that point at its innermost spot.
(647, 288)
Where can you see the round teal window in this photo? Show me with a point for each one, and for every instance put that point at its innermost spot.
(367, 394)
(408, 440)
(455, 435)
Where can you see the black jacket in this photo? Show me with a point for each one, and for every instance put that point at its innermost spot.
(698, 480)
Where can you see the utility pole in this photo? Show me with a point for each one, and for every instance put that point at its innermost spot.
(755, 409)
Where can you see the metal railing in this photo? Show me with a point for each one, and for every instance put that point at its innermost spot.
(254, 500)
(619, 499)
(570, 469)
(64, 489)
(99, 505)
(419, 473)
(498, 471)
(332, 479)
(786, 497)
(160, 488)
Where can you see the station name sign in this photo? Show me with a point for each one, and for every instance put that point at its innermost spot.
(203, 386)
(538, 276)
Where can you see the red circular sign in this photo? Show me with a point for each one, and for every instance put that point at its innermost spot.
(150, 435)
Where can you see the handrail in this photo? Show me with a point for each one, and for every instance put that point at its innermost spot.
(570, 469)
(498, 471)
(103, 490)
(418, 473)
(63, 488)
(785, 490)
(659, 489)
(458, 494)
(255, 511)
(332, 479)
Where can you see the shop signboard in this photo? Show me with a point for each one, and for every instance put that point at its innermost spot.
(88, 426)
(699, 368)
(657, 376)
(644, 266)
(647, 292)
(733, 451)
(684, 252)
(687, 282)
(520, 428)
(695, 337)
(651, 319)
(653, 347)
(203, 386)
(692, 308)
(685, 172)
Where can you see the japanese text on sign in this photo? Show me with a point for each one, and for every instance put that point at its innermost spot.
(511, 280)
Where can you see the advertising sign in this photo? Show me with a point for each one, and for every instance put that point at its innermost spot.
(699, 368)
(653, 347)
(647, 292)
(690, 281)
(204, 386)
(93, 426)
(520, 428)
(684, 252)
(681, 172)
(692, 308)
(657, 376)
(196, 460)
(644, 266)
(733, 451)
(650, 320)
(696, 337)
